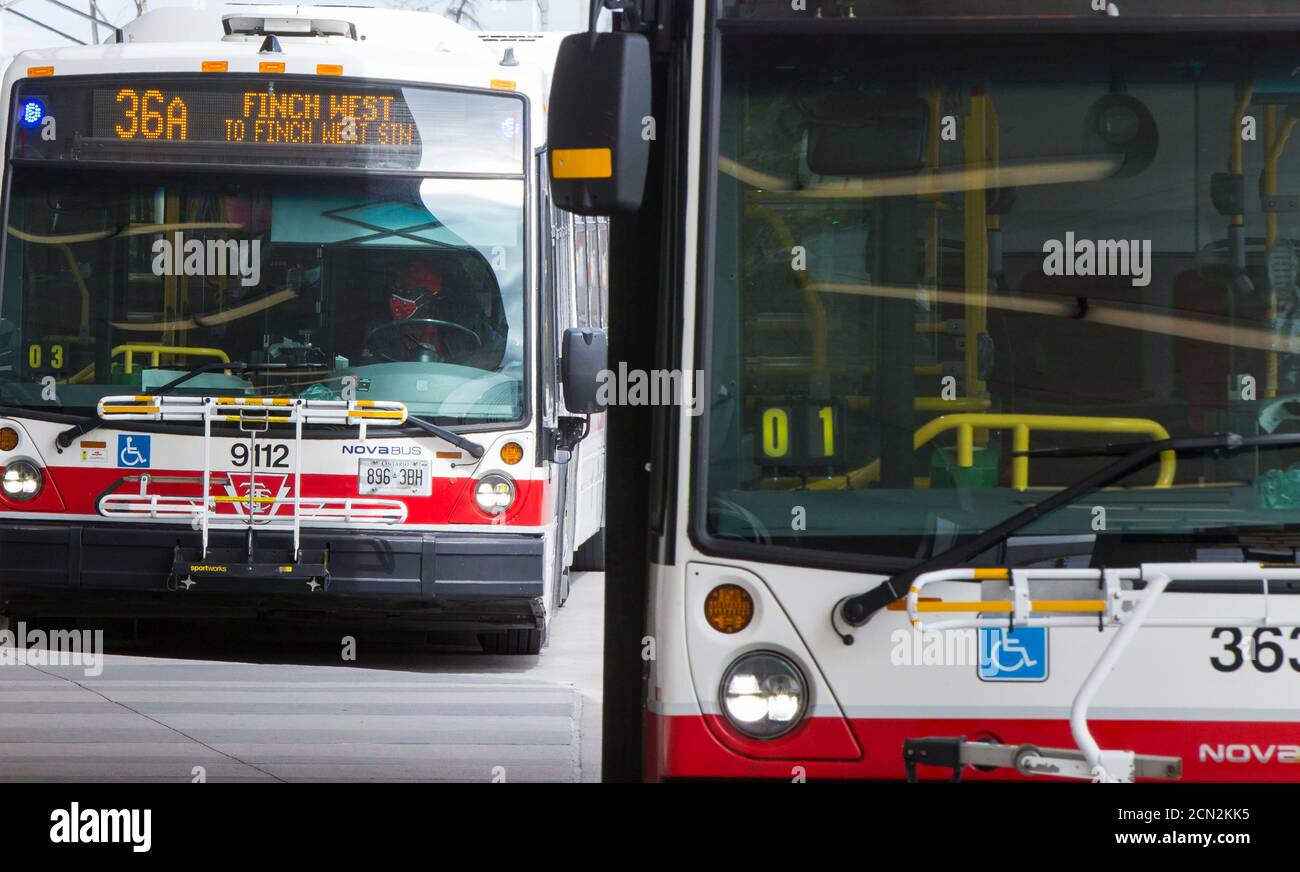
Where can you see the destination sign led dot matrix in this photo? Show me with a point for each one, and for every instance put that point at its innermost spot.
(287, 121)
(285, 117)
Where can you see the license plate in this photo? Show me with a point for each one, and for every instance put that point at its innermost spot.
(407, 477)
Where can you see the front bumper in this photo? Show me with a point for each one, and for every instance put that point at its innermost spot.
(472, 580)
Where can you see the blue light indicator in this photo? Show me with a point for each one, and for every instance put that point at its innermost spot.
(31, 112)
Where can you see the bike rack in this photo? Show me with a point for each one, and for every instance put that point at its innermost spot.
(253, 415)
(1127, 598)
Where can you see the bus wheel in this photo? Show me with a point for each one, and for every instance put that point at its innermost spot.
(590, 556)
(512, 642)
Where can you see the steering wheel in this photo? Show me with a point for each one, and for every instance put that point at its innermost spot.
(423, 322)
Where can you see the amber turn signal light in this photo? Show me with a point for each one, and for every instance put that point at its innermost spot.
(8, 438)
(728, 608)
(512, 453)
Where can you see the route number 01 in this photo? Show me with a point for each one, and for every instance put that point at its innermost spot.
(799, 434)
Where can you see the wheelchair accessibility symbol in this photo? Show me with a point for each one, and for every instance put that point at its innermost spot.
(133, 451)
(1013, 655)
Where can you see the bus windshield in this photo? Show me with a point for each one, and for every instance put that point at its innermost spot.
(929, 256)
(405, 288)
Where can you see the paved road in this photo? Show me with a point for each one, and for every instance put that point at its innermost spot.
(249, 711)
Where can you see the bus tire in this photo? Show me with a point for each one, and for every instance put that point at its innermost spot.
(512, 642)
(590, 556)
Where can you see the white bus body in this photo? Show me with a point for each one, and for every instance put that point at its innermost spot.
(867, 206)
(383, 187)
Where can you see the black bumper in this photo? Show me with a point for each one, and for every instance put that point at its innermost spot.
(475, 580)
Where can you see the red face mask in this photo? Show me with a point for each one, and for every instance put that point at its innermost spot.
(416, 282)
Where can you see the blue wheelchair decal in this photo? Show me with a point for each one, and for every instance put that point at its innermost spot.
(1013, 655)
(133, 450)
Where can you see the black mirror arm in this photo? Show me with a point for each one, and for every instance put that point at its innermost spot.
(65, 437)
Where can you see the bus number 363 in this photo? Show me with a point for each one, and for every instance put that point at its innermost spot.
(1264, 654)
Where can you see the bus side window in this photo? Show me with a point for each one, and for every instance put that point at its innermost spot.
(580, 269)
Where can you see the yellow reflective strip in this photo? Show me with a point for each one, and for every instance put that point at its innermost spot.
(129, 410)
(1067, 605)
(364, 404)
(941, 606)
(995, 573)
(376, 414)
(582, 163)
(999, 607)
(143, 398)
(254, 401)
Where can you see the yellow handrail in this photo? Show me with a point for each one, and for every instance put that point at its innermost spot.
(155, 352)
(1020, 427)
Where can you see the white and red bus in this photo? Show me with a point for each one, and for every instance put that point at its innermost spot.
(283, 308)
(996, 306)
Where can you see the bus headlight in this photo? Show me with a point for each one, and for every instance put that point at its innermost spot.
(764, 695)
(22, 480)
(494, 493)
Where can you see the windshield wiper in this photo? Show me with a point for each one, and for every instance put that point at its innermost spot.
(237, 367)
(1132, 456)
(446, 435)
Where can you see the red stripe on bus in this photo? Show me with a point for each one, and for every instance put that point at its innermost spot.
(1222, 751)
(450, 501)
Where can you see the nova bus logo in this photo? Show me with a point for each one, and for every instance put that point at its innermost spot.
(383, 450)
(1250, 753)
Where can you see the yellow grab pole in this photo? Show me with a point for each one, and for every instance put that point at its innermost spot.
(1020, 462)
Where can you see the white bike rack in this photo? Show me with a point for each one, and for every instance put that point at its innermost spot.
(253, 415)
(1124, 603)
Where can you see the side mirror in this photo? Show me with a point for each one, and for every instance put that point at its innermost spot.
(600, 96)
(584, 357)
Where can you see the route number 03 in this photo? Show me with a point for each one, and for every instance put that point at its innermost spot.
(35, 355)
